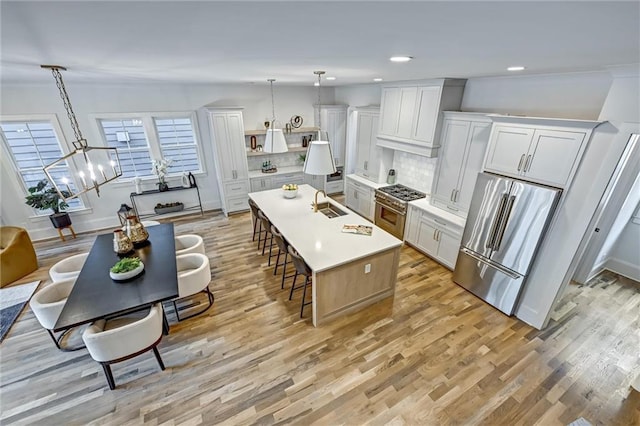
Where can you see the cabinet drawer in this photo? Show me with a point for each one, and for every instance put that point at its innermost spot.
(235, 189)
(237, 204)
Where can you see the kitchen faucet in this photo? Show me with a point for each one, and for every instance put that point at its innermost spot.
(315, 199)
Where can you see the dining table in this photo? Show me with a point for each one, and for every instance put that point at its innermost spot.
(96, 296)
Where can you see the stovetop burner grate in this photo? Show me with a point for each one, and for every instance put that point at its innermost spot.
(402, 192)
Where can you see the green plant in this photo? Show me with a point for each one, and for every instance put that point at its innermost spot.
(303, 157)
(44, 197)
(125, 265)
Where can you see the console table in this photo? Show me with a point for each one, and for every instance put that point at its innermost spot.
(133, 196)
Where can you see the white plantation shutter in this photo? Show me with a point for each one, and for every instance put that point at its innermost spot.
(178, 143)
(135, 159)
(33, 145)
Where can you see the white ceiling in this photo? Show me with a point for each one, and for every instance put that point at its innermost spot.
(242, 42)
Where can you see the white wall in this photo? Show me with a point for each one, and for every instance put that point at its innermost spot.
(358, 96)
(19, 99)
(625, 255)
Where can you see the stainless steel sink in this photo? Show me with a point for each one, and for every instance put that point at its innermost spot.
(330, 211)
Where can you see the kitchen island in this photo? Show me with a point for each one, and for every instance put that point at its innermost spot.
(350, 271)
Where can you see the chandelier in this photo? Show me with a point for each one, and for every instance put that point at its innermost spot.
(96, 165)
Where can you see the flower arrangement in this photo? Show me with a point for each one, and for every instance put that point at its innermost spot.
(159, 168)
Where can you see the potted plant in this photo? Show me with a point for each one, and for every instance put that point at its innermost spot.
(45, 197)
(159, 168)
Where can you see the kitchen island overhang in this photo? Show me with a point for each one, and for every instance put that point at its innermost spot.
(350, 271)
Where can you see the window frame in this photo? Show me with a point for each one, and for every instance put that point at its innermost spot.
(15, 177)
(153, 141)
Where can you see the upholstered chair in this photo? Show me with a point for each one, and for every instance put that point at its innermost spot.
(47, 305)
(122, 338)
(189, 243)
(17, 256)
(68, 268)
(194, 276)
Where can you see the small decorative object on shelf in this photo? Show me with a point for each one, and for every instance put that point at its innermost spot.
(267, 167)
(287, 128)
(192, 180)
(254, 143)
(138, 182)
(305, 143)
(123, 213)
(136, 232)
(267, 124)
(121, 243)
(126, 268)
(185, 180)
(290, 190)
(159, 168)
(296, 121)
(168, 207)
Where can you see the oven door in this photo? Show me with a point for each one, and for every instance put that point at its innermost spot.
(390, 219)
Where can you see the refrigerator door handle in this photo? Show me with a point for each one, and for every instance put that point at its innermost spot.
(496, 221)
(520, 163)
(488, 262)
(503, 224)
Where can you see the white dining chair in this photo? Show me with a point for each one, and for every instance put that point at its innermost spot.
(47, 304)
(189, 243)
(121, 338)
(68, 268)
(194, 276)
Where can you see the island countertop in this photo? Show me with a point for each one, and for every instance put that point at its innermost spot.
(319, 239)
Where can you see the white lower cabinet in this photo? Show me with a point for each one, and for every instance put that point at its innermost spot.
(260, 184)
(435, 237)
(317, 181)
(360, 199)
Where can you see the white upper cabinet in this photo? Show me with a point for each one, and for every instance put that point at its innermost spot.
(334, 122)
(463, 144)
(372, 162)
(540, 150)
(411, 114)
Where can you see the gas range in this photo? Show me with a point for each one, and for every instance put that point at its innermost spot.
(398, 195)
(391, 207)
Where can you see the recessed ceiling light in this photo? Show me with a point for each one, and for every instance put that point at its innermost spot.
(330, 78)
(400, 58)
(516, 68)
(377, 79)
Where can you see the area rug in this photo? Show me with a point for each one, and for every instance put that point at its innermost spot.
(12, 301)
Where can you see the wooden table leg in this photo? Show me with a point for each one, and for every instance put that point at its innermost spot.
(61, 234)
(72, 232)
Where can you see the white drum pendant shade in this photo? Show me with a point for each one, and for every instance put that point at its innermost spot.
(319, 160)
(275, 142)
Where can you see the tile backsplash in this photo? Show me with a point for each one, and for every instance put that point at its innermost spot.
(286, 159)
(414, 171)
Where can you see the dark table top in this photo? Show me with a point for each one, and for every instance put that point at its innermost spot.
(95, 295)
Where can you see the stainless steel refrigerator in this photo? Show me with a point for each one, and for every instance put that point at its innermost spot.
(505, 225)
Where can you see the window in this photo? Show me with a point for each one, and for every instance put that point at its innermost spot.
(178, 143)
(129, 138)
(33, 145)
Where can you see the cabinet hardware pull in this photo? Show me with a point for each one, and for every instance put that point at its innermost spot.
(366, 165)
(435, 231)
(440, 222)
(527, 164)
(437, 235)
(453, 193)
(520, 163)
(455, 197)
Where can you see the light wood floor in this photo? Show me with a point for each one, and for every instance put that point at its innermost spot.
(433, 355)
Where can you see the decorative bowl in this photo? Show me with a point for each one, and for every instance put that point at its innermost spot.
(127, 275)
(289, 193)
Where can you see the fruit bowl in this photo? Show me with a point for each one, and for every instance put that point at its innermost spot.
(290, 190)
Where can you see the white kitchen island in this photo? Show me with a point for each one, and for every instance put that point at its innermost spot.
(350, 271)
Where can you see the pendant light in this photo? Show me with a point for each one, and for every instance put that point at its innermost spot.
(274, 141)
(319, 159)
(97, 165)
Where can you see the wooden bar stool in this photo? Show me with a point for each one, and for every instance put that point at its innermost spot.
(283, 247)
(257, 224)
(301, 269)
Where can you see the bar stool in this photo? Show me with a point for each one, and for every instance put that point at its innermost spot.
(257, 224)
(266, 224)
(283, 247)
(301, 269)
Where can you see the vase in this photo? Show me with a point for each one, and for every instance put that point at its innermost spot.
(121, 243)
(135, 231)
(163, 186)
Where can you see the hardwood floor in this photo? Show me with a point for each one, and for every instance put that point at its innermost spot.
(433, 355)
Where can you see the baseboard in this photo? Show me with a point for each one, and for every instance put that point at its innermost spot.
(624, 268)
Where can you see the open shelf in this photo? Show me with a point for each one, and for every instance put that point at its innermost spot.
(264, 131)
(291, 149)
